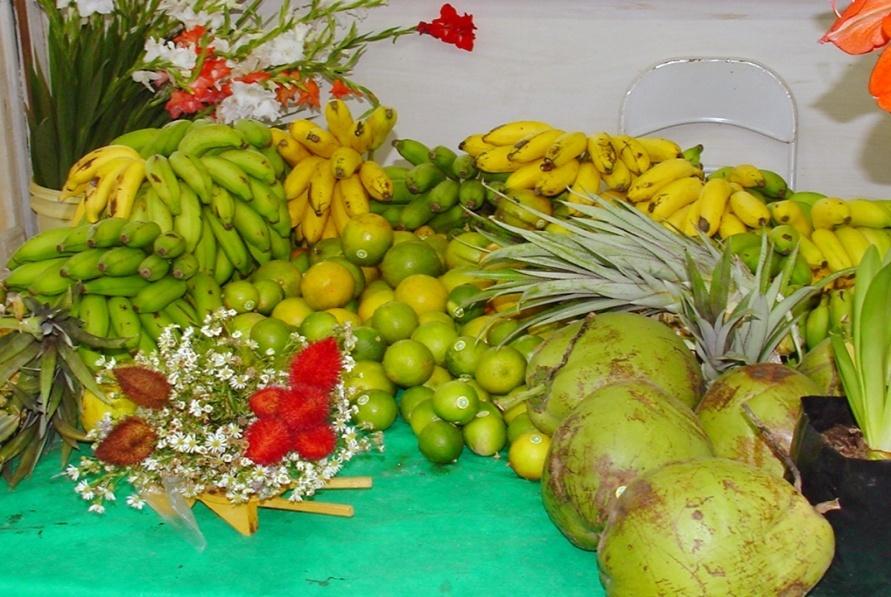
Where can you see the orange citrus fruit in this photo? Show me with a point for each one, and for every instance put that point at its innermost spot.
(292, 310)
(327, 284)
(422, 293)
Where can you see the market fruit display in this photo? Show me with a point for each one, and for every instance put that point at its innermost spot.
(713, 527)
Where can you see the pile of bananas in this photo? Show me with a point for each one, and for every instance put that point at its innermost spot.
(831, 314)
(331, 180)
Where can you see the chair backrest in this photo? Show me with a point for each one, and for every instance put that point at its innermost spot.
(741, 105)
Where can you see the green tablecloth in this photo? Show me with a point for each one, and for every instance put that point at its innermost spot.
(473, 528)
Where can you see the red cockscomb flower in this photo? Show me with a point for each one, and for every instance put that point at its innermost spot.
(130, 442)
(315, 443)
(318, 365)
(451, 28)
(304, 407)
(145, 387)
(268, 441)
(264, 402)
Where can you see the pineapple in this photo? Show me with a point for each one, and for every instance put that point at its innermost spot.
(615, 258)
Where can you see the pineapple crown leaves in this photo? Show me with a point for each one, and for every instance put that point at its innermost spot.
(616, 258)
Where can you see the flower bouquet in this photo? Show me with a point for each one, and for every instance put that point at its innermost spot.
(214, 419)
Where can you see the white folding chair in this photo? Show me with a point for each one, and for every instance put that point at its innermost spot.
(740, 110)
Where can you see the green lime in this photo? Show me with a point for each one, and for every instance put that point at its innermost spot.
(462, 356)
(459, 304)
(411, 257)
(243, 323)
(271, 335)
(364, 376)
(441, 442)
(478, 327)
(300, 259)
(366, 238)
(408, 363)
(240, 295)
(395, 321)
(465, 249)
(292, 310)
(456, 402)
(488, 409)
(435, 316)
(483, 395)
(422, 415)
(437, 336)
(411, 397)
(285, 274)
(269, 295)
(526, 344)
(325, 249)
(318, 325)
(370, 345)
(527, 454)
(439, 376)
(519, 425)
(500, 330)
(485, 435)
(376, 410)
(500, 369)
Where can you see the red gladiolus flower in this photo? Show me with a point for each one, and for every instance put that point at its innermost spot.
(255, 77)
(182, 103)
(284, 93)
(268, 441)
(303, 407)
(318, 365)
(315, 443)
(340, 90)
(451, 28)
(190, 36)
(309, 94)
(264, 402)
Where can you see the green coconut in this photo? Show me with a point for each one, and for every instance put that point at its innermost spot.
(614, 435)
(773, 392)
(713, 527)
(614, 347)
(819, 364)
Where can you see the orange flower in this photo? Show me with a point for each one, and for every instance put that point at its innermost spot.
(285, 93)
(309, 94)
(340, 90)
(255, 77)
(880, 81)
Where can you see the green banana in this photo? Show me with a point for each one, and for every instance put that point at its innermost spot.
(41, 246)
(184, 267)
(76, 241)
(265, 202)
(124, 321)
(106, 233)
(396, 172)
(193, 173)
(169, 137)
(279, 167)
(205, 294)
(157, 295)
(137, 235)
(84, 265)
(401, 194)
(693, 154)
(179, 315)
(231, 244)
(254, 132)
(223, 269)
(228, 175)
(801, 272)
(723, 172)
(423, 177)
(189, 223)
(413, 151)
(448, 220)
(840, 304)
(282, 226)
(154, 323)
(745, 240)
(25, 274)
(203, 138)
(121, 261)
(464, 167)
(775, 187)
(251, 226)
(50, 282)
(259, 255)
(110, 286)
(164, 181)
(140, 139)
(146, 345)
(443, 157)
(444, 195)
(139, 213)
(417, 213)
(472, 194)
(169, 245)
(157, 211)
(223, 204)
(784, 238)
(206, 251)
(816, 326)
(93, 313)
(251, 162)
(279, 246)
(154, 267)
(392, 213)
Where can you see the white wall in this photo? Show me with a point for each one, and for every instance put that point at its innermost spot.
(570, 62)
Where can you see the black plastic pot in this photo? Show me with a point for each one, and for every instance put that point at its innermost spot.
(862, 562)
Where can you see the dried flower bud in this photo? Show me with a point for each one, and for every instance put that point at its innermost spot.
(315, 443)
(317, 365)
(129, 442)
(145, 387)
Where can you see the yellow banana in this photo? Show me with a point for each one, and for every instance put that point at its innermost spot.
(339, 215)
(533, 146)
(98, 195)
(376, 181)
(747, 175)
(829, 212)
(871, 214)
(330, 230)
(879, 238)
(811, 253)
(674, 196)
(126, 186)
(339, 120)
(497, 160)
(297, 207)
(790, 212)
(587, 181)
(660, 149)
(511, 132)
(299, 128)
(297, 180)
(313, 225)
(715, 195)
(86, 167)
(345, 161)
(321, 187)
(648, 184)
(564, 149)
(361, 136)
(618, 178)
(474, 145)
(526, 176)
(602, 152)
(319, 142)
(80, 213)
(730, 225)
(678, 219)
(854, 242)
(632, 153)
(833, 250)
(691, 221)
(749, 208)
(382, 120)
(553, 182)
(354, 195)
(288, 147)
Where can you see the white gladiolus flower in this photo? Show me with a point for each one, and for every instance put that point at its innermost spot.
(168, 52)
(287, 48)
(89, 7)
(249, 100)
(147, 77)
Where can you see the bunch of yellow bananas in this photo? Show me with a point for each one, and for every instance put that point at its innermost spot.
(107, 178)
(332, 176)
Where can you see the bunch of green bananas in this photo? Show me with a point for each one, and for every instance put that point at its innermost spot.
(832, 314)
(436, 190)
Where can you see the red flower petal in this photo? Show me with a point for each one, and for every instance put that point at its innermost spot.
(880, 81)
(451, 28)
(268, 441)
(317, 365)
(264, 402)
(340, 90)
(858, 30)
(315, 443)
(309, 94)
(304, 407)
